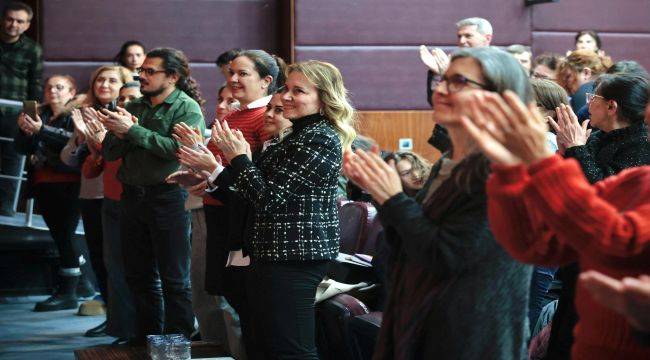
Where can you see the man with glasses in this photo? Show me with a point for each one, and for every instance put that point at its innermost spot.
(21, 68)
(154, 224)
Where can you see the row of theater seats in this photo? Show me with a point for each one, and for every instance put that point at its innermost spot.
(348, 324)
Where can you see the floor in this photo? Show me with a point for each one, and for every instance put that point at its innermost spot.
(25, 334)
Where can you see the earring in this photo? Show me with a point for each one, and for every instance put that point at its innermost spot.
(321, 112)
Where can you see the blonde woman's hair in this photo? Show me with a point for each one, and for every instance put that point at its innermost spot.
(123, 73)
(332, 93)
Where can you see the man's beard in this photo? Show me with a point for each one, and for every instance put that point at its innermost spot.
(154, 93)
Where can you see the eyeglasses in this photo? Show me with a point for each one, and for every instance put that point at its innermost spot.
(454, 83)
(591, 97)
(148, 71)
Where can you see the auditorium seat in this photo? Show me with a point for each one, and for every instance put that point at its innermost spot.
(334, 339)
(355, 218)
(364, 329)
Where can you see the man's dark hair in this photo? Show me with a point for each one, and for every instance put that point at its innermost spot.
(131, 84)
(226, 57)
(119, 58)
(18, 6)
(175, 62)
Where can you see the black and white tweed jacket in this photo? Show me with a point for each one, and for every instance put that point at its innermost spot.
(293, 191)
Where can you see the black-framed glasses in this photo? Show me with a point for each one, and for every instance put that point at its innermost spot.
(454, 83)
(148, 71)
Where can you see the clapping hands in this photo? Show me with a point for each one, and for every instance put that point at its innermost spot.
(507, 131)
(569, 131)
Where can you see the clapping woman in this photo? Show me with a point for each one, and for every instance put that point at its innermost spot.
(543, 211)
(455, 294)
(293, 191)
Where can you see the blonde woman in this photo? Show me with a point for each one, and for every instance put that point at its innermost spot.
(293, 190)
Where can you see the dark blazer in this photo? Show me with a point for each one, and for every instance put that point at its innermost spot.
(294, 191)
(606, 154)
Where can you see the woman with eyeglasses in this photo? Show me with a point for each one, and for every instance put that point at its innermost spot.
(455, 294)
(620, 142)
(53, 184)
(543, 211)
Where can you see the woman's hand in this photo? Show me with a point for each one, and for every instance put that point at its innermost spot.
(28, 125)
(629, 297)
(371, 173)
(569, 131)
(507, 131)
(198, 161)
(118, 122)
(96, 133)
(186, 135)
(231, 143)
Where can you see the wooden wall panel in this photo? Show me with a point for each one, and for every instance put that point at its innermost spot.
(387, 127)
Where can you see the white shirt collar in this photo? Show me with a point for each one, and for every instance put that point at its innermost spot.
(261, 102)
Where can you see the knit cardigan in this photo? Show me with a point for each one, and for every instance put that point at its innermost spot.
(550, 215)
(293, 191)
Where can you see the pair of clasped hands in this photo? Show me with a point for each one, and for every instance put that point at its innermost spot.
(200, 162)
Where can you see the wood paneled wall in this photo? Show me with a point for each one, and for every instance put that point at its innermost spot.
(387, 127)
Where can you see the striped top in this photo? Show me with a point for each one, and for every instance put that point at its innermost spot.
(250, 122)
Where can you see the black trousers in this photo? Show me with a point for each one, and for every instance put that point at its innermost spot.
(91, 214)
(155, 240)
(282, 298)
(58, 203)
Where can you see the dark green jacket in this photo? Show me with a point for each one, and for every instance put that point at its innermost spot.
(148, 150)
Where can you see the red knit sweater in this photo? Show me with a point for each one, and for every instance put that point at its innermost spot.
(551, 215)
(250, 122)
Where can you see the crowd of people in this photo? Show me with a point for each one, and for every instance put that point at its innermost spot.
(233, 222)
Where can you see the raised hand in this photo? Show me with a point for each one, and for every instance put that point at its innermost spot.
(118, 122)
(186, 135)
(371, 173)
(629, 296)
(231, 143)
(569, 131)
(507, 131)
(436, 60)
(198, 161)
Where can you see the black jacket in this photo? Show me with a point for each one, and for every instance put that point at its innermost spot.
(293, 191)
(44, 148)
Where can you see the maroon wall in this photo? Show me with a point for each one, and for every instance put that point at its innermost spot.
(79, 35)
(375, 42)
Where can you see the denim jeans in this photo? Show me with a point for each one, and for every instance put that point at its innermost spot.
(155, 241)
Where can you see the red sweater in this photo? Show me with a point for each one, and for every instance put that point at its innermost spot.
(551, 215)
(112, 186)
(250, 122)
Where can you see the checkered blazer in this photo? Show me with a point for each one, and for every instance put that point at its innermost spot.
(293, 190)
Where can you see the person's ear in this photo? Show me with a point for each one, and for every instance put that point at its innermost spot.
(587, 72)
(174, 78)
(488, 38)
(267, 81)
